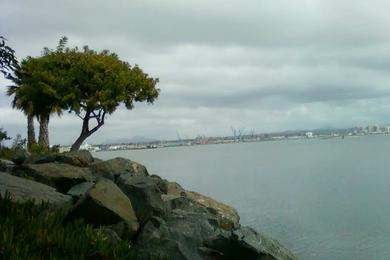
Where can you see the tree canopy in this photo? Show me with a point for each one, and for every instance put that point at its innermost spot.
(3, 136)
(36, 93)
(89, 83)
(8, 61)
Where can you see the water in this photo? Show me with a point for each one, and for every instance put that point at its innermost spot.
(323, 199)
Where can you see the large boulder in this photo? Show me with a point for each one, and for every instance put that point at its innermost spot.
(144, 194)
(227, 216)
(246, 243)
(191, 231)
(80, 189)
(22, 190)
(62, 176)
(111, 169)
(105, 204)
(178, 235)
(6, 165)
(80, 158)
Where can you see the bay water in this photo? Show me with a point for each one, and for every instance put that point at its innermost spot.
(321, 198)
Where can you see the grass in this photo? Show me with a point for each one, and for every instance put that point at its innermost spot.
(29, 231)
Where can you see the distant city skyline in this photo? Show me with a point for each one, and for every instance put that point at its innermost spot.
(264, 65)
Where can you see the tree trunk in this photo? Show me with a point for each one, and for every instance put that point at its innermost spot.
(76, 145)
(30, 131)
(44, 130)
(85, 132)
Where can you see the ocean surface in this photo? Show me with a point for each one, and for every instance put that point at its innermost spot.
(321, 198)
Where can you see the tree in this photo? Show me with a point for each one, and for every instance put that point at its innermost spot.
(98, 83)
(89, 83)
(3, 137)
(8, 61)
(19, 142)
(36, 94)
(21, 101)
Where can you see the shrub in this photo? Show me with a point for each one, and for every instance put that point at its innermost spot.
(7, 153)
(29, 231)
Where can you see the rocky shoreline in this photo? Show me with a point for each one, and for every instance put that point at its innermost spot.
(162, 219)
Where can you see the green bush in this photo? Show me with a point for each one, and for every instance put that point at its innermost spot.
(7, 153)
(29, 231)
(38, 149)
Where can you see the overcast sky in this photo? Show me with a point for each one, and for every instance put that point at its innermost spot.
(268, 65)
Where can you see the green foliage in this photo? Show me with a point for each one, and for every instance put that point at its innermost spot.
(19, 142)
(7, 153)
(8, 61)
(89, 83)
(3, 135)
(35, 90)
(29, 231)
(39, 149)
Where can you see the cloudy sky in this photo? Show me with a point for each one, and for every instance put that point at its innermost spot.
(268, 65)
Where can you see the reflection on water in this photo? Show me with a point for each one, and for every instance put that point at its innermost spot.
(324, 199)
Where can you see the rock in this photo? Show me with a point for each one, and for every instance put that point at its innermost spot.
(111, 169)
(96, 160)
(173, 188)
(23, 190)
(177, 236)
(80, 189)
(6, 165)
(80, 158)
(261, 244)
(59, 175)
(144, 195)
(20, 156)
(228, 217)
(191, 231)
(105, 204)
(245, 243)
(170, 188)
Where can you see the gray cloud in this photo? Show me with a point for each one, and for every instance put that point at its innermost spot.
(270, 65)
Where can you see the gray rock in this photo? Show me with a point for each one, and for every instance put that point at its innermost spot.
(80, 158)
(96, 160)
(178, 236)
(245, 243)
(80, 189)
(191, 231)
(111, 169)
(168, 187)
(105, 204)
(22, 190)
(59, 175)
(228, 217)
(144, 194)
(261, 244)
(6, 165)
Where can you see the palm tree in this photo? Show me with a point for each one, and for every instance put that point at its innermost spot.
(22, 102)
(36, 95)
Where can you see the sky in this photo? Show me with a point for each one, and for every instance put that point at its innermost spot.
(262, 65)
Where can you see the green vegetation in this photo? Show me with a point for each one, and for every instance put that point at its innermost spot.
(6, 152)
(3, 137)
(8, 60)
(29, 231)
(89, 83)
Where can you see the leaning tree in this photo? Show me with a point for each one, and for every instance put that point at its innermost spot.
(98, 82)
(89, 83)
